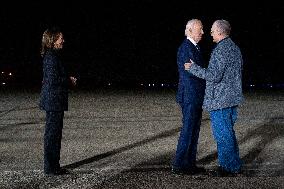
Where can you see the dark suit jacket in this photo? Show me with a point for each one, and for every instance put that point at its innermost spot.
(54, 91)
(191, 89)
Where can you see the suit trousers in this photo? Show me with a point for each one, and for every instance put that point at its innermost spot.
(52, 140)
(189, 134)
(222, 122)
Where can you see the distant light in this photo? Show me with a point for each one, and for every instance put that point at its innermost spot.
(2, 72)
(10, 74)
(149, 85)
(109, 84)
(252, 85)
(3, 83)
(153, 84)
(141, 84)
(162, 84)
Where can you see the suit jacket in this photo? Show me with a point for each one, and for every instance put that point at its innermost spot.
(223, 76)
(190, 88)
(54, 91)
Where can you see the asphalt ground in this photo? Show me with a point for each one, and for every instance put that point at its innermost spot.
(127, 139)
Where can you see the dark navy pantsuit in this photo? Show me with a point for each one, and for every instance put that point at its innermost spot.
(52, 140)
(54, 101)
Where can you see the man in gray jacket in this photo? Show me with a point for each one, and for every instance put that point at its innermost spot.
(223, 94)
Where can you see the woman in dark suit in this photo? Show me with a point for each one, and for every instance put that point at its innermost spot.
(53, 98)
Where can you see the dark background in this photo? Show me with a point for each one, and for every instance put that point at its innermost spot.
(130, 42)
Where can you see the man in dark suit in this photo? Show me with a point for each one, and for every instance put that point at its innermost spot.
(190, 97)
(53, 99)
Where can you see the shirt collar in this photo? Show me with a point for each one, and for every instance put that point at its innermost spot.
(192, 41)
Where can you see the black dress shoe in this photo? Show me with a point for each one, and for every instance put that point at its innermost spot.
(221, 172)
(188, 171)
(198, 170)
(177, 171)
(60, 171)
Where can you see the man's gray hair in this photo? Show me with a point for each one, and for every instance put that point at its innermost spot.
(223, 26)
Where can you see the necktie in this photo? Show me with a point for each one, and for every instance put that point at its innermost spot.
(198, 48)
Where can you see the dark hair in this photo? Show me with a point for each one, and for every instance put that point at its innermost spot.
(49, 37)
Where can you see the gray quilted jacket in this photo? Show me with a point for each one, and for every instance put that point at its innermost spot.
(223, 76)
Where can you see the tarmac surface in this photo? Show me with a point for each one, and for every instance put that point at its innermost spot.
(127, 139)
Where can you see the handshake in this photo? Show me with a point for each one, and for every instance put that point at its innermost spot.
(187, 65)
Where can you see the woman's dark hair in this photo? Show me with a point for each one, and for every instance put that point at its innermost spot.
(49, 37)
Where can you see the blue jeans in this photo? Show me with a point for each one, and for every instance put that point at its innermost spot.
(189, 134)
(222, 122)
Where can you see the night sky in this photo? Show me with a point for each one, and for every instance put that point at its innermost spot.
(135, 41)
